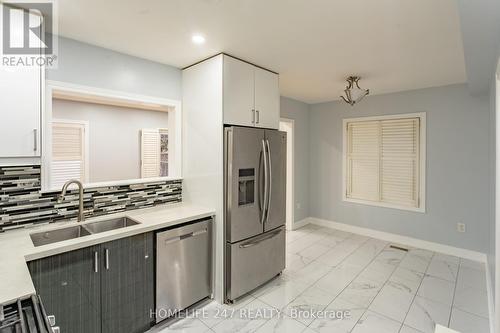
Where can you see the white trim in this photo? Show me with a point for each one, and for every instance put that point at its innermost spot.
(301, 223)
(386, 117)
(383, 205)
(491, 298)
(423, 154)
(410, 241)
(120, 183)
(497, 202)
(108, 93)
(290, 222)
(174, 127)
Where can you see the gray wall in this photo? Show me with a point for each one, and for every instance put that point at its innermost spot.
(457, 169)
(114, 135)
(89, 65)
(299, 112)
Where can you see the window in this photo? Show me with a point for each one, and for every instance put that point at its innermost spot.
(384, 161)
(163, 152)
(154, 153)
(69, 152)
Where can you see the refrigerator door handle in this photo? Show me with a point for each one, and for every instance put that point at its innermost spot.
(264, 208)
(270, 180)
(260, 194)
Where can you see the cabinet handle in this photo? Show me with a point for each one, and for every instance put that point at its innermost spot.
(253, 116)
(96, 261)
(258, 116)
(106, 261)
(188, 235)
(52, 320)
(35, 139)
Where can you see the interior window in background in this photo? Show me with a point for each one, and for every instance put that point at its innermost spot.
(154, 152)
(69, 155)
(163, 152)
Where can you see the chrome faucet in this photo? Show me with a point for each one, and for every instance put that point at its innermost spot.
(80, 192)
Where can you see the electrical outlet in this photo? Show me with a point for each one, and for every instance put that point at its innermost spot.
(461, 227)
(299, 205)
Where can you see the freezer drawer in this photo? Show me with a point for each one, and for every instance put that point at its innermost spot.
(183, 267)
(254, 261)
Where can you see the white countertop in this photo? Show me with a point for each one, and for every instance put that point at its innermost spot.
(16, 247)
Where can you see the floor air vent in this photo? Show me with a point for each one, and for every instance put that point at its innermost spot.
(398, 248)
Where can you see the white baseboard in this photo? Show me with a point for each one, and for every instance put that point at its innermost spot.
(301, 223)
(395, 238)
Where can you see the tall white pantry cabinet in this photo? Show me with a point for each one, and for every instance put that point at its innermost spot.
(219, 91)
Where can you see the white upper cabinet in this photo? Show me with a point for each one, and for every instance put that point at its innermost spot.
(267, 99)
(238, 92)
(20, 108)
(251, 95)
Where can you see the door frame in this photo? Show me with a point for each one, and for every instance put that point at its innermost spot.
(496, 297)
(290, 176)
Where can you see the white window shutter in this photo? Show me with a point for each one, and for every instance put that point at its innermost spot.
(68, 152)
(150, 153)
(363, 160)
(400, 161)
(383, 161)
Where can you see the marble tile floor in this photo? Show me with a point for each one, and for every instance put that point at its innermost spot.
(338, 282)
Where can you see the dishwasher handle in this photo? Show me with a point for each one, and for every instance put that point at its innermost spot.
(185, 236)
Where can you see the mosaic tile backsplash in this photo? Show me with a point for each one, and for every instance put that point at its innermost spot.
(22, 203)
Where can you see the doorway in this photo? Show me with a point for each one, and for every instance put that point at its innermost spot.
(288, 126)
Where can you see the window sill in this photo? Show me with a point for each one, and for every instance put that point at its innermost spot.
(118, 183)
(384, 205)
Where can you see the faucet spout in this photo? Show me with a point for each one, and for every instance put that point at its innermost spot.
(80, 193)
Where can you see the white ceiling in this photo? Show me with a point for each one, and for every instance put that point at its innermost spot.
(394, 45)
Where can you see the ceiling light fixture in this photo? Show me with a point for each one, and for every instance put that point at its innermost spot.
(353, 93)
(198, 39)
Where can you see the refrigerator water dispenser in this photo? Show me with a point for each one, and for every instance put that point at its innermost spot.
(246, 186)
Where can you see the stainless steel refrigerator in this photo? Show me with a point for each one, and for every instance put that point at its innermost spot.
(255, 181)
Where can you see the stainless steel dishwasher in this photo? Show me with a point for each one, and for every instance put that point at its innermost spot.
(183, 267)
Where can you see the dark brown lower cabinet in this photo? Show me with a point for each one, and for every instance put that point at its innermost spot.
(104, 288)
(127, 284)
(69, 286)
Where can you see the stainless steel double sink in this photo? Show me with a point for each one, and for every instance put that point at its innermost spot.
(77, 231)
